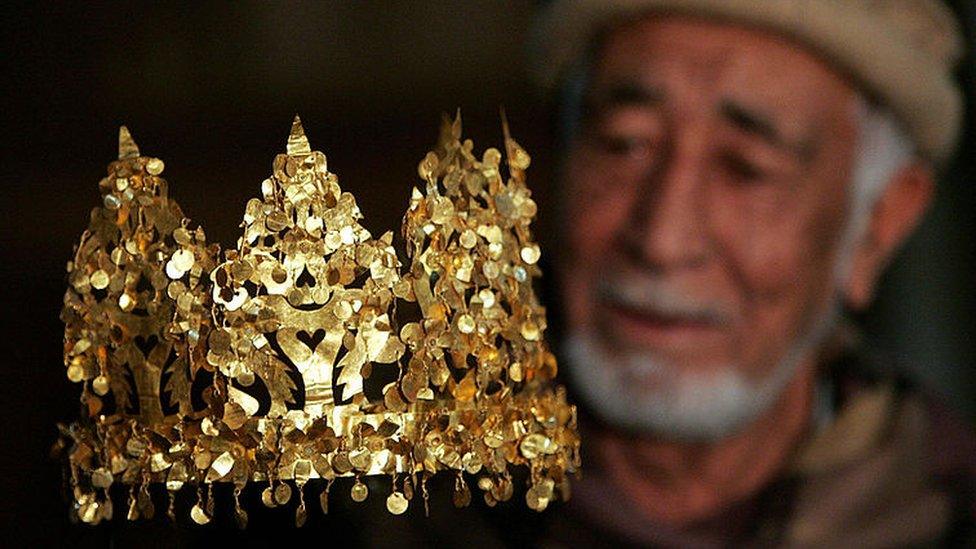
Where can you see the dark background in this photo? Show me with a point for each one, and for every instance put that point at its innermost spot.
(212, 89)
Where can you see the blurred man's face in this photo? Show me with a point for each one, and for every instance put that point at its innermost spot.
(707, 194)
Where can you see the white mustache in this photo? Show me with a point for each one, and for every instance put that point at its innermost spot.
(653, 297)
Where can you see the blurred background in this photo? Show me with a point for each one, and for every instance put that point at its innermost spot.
(212, 88)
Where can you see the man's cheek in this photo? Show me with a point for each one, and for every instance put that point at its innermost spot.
(768, 257)
(577, 301)
(591, 224)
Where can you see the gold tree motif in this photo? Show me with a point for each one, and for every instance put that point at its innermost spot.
(479, 347)
(120, 319)
(473, 261)
(308, 288)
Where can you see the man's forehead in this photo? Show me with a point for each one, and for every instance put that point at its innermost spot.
(690, 58)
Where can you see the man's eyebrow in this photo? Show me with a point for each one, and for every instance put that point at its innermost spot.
(623, 94)
(761, 125)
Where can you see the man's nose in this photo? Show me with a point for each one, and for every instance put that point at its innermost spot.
(666, 226)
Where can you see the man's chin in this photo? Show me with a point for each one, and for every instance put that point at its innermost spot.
(646, 393)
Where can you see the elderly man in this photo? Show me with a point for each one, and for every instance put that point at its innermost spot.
(736, 173)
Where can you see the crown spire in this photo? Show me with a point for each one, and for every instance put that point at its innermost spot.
(127, 147)
(516, 157)
(297, 142)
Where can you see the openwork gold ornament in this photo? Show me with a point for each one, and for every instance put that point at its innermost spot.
(309, 352)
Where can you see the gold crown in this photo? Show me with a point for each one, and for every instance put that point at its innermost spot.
(290, 361)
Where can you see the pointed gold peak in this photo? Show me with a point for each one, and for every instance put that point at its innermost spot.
(297, 142)
(456, 125)
(505, 130)
(127, 147)
(445, 127)
(518, 160)
(450, 131)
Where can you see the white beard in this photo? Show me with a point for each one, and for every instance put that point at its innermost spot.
(640, 392)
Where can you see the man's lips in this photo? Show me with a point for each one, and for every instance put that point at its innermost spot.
(645, 326)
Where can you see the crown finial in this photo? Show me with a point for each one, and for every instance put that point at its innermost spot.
(516, 157)
(297, 142)
(127, 147)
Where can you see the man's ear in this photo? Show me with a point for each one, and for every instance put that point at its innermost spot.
(895, 215)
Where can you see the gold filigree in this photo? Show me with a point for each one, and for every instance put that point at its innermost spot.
(132, 323)
(295, 347)
(307, 289)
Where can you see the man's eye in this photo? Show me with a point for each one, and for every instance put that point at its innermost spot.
(625, 146)
(741, 169)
